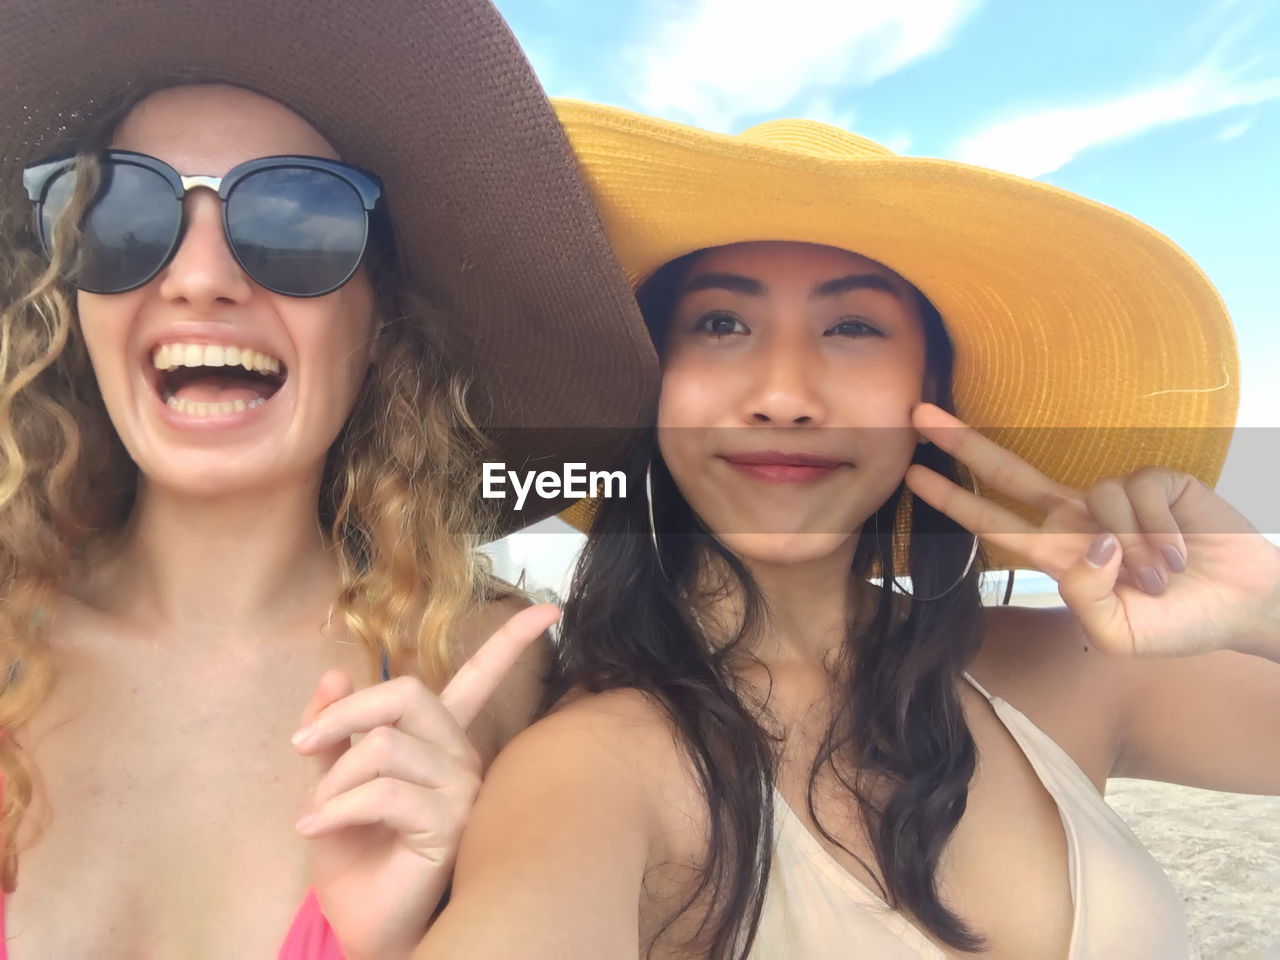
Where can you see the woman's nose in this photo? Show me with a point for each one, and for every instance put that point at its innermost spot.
(788, 387)
(203, 271)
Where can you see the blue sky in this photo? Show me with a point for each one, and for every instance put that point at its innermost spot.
(1166, 109)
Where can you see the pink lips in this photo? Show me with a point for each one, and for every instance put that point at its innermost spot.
(776, 467)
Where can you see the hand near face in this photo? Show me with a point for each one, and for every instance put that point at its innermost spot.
(387, 812)
(1153, 563)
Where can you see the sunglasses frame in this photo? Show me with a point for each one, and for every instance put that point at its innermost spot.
(38, 177)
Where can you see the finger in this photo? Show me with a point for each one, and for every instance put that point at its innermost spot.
(388, 752)
(975, 513)
(993, 523)
(406, 808)
(1110, 505)
(993, 465)
(333, 686)
(477, 679)
(1088, 588)
(1153, 491)
(403, 702)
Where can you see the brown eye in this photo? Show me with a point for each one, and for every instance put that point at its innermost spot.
(852, 327)
(720, 324)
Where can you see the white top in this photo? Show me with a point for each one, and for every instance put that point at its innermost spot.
(1125, 906)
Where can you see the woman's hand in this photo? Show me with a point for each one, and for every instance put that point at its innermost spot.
(1154, 563)
(386, 813)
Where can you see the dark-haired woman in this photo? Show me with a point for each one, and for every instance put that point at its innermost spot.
(786, 726)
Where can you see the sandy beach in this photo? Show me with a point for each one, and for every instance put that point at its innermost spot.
(1222, 852)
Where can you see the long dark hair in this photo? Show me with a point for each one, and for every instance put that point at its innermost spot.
(897, 740)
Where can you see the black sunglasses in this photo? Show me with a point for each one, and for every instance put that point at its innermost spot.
(297, 225)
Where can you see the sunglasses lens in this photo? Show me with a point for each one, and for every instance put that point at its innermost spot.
(127, 233)
(297, 231)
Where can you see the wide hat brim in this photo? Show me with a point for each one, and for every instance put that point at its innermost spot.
(1086, 342)
(491, 217)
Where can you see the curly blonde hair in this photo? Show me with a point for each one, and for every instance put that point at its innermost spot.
(398, 501)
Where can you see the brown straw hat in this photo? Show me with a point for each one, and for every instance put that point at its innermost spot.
(435, 97)
(1086, 342)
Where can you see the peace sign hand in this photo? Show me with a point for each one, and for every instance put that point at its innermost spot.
(1152, 564)
(386, 813)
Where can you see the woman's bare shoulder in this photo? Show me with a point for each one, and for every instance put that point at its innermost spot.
(625, 726)
(1028, 643)
(626, 735)
(1040, 661)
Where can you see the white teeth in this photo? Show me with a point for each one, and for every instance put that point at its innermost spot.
(194, 408)
(173, 355)
(170, 356)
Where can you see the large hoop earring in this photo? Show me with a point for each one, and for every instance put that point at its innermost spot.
(653, 528)
(973, 555)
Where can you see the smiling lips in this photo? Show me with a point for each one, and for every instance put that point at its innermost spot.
(774, 466)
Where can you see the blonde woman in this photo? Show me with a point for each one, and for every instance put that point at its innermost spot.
(252, 255)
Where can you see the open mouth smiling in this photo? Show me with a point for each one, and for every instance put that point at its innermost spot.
(206, 380)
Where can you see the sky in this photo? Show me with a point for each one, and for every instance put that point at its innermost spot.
(1166, 109)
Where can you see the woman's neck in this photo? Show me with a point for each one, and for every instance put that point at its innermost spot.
(238, 564)
(808, 606)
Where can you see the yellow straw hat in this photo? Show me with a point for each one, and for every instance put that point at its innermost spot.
(1086, 342)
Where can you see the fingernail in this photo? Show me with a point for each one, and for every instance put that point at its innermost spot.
(305, 735)
(1100, 551)
(305, 823)
(1150, 581)
(1174, 558)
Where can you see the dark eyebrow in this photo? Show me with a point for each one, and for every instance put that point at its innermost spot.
(854, 281)
(725, 281)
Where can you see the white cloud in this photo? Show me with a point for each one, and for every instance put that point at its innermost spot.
(1038, 143)
(1233, 130)
(717, 61)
